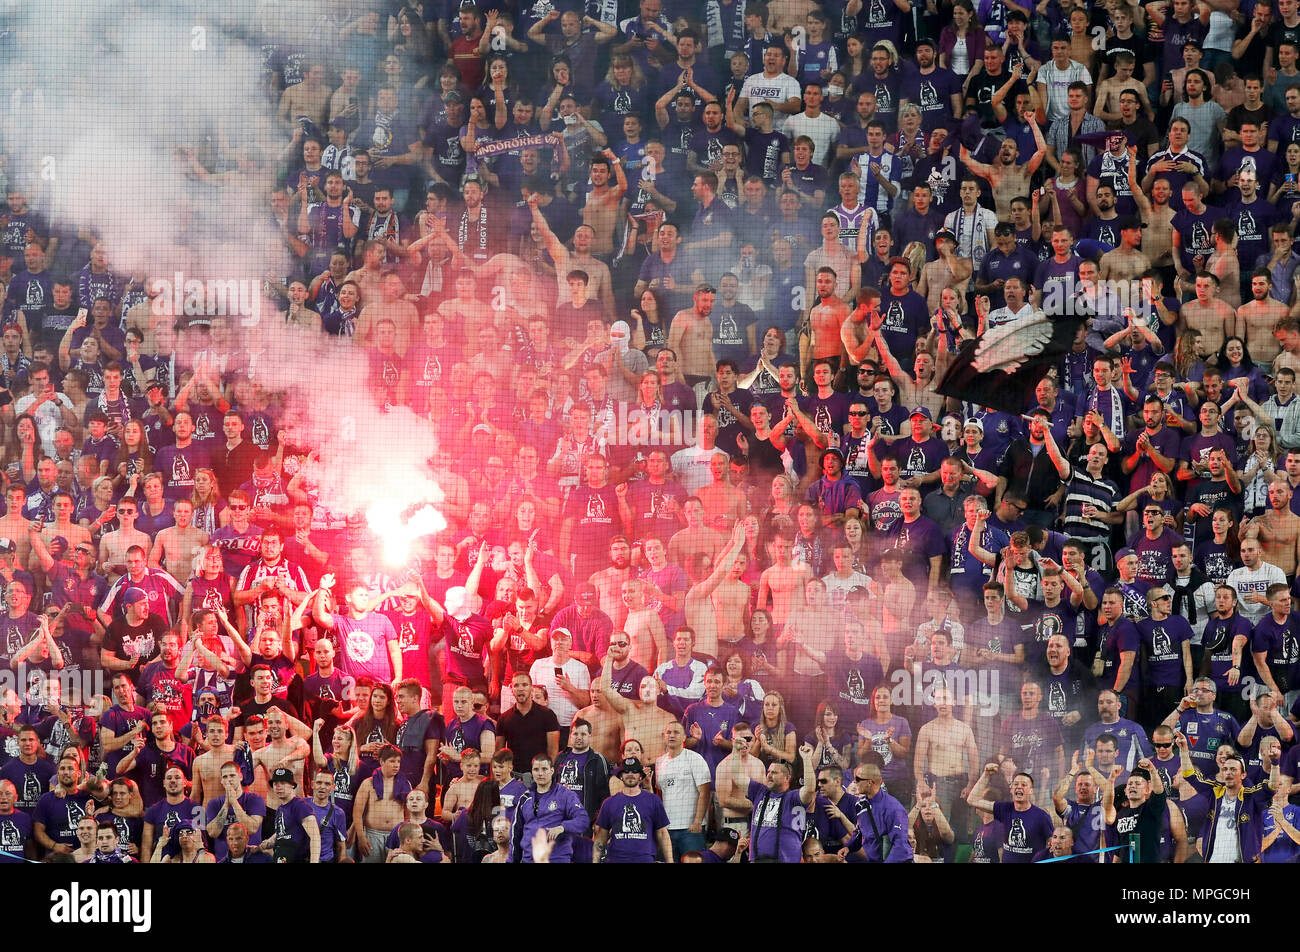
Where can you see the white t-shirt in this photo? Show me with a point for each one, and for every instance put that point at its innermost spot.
(1058, 83)
(679, 779)
(691, 466)
(1227, 841)
(543, 672)
(1248, 582)
(776, 90)
(48, 417)
(823, 131)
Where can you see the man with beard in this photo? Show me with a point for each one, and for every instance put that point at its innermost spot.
(691, 335)
(1008, 177)
(634, 819)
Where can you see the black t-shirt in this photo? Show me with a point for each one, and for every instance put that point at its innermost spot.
(136, 642)
(982, 88)
(251, 707)
(1144, 821)
(526, 734)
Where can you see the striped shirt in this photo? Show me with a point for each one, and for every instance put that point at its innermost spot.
(1084, 490)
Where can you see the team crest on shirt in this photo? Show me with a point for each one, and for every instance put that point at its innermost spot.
(361, 647)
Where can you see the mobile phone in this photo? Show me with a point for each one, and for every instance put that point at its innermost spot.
(1290, 178)
(559, 672)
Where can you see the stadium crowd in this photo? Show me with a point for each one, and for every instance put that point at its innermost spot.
(725, 577)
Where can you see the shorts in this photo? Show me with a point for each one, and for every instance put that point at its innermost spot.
(378, 840)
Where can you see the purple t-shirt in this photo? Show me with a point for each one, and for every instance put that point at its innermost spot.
(632, 823)
(1165, 441)
(364, 642)
(1027, 831)
(1155, 556)
(920, 541)
(467, 642)
(777, 827)
(1163, 641)
(896, 770)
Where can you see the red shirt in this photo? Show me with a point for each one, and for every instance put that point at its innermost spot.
(464, 55)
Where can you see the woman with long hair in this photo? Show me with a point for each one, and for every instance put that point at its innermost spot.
(1258, 470)
(23, 448)
(961, 44)
(207, 502)
(775, 738)
(744, 692)
(343, 761)
(1189, 357)
(1284, 188)
(649, 320)
(471, 830)
(1217, 556)
(134, 458)
(497, 77)
(831, 742)
(1235, 362)
(760, 647)
(855, 534)
(889, 736)
(760, 376)
(648, 425)
(623, 92)
(375, 726)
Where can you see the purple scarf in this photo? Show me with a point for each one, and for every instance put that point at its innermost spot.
(401, 786)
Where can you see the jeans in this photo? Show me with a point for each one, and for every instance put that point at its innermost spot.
(684, 841)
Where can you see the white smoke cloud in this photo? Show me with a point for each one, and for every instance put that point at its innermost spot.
(106, 95)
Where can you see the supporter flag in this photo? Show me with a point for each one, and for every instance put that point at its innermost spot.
(1001, 369)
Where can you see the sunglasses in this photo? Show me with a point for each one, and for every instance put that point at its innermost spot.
(1161, 746)
(822, 781)
(857, 413)
(746, 738)
(238, 508)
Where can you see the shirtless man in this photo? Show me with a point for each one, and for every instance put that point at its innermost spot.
(696, 537)
(13, 525)
(375, 813)
(599, 286)
(940, 746)
(723, 503)
(814, 630)
(609, 582)
(460, 792)
(690, 336)
(464, 310)
(393, 306)
(644, 627)
(606, 725)
(1125, 263)
(176, 546)
(732, 803)
(781, 586)
(726, 594)
(1257, 318)
(600, 213)
(1278, 529)
(207, 766)
(282, 748)
(1009, 179)
(826, 319)
(1215, 319)
(113, 546)
(643, 720)
(700, 608)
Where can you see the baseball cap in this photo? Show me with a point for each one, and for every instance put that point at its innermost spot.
(1123, 554)
(133, 595)
(58, 545)
(925, 41)
(632, 765)
(282, 775)
(833, 451)
(945, 233)
(453, 96)
(729, 835)
(978, 424)
(921, 412)
(6, 545)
